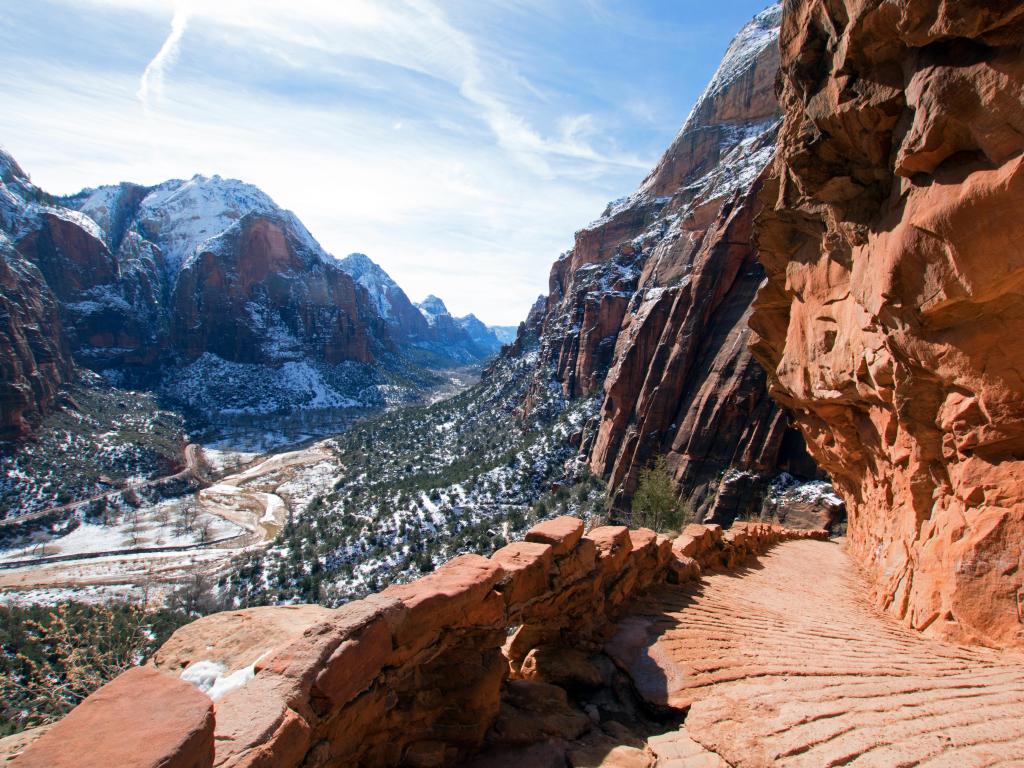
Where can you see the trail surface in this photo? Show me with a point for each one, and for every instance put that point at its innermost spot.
(787, 664)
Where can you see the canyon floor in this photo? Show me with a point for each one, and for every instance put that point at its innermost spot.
(786, 664)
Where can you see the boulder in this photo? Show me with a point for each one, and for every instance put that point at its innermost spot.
(143, 718)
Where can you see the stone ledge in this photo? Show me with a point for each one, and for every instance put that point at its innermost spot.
(412, 675)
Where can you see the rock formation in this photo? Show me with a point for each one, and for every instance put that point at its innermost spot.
(34, 355)
(650, 307)
(192, 287)
(405, 321)
(35, 358)
(890, 317)
(414, 676)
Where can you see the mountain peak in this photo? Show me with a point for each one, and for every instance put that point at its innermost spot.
(9, 168)
(432, 306)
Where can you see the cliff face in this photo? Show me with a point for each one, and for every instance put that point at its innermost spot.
(34, 356)
(258, 294)
(891, 319)
(650, 307)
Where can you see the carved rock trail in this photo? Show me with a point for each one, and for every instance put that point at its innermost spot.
(788, 664)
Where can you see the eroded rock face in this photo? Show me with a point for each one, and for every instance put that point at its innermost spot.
(186, 286)
(34, 356)
(257, 296)
(650, 307)
(891, 318)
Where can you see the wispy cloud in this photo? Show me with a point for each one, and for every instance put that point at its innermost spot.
(152, 80)
(459, 143)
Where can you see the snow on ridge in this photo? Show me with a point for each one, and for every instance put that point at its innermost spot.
(432, 308)
(185, 217)
(373, 278)
(759, 33)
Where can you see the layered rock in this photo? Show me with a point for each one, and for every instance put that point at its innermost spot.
(190, 286)
(649, 309)
(412, 676)
(34, 356)
(890, 320)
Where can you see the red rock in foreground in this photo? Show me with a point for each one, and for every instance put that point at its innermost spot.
(410, 676)
(142, 719)
(892, 317)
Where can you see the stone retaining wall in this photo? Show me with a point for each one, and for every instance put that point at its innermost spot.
(409, 676)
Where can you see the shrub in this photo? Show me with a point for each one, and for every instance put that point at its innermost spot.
(655, 504)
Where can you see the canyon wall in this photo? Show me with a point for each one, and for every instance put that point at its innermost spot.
(649, 309)
(891, 317)
(412, 676)
(34, 356)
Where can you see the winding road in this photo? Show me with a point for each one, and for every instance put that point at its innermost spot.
(247, 498)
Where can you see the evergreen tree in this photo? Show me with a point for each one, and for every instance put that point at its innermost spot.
(655, 504)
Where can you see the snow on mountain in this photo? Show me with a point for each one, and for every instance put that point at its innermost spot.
(506, 334)
(432, 308)
(184, 217)
(374, 279)
(740, 58)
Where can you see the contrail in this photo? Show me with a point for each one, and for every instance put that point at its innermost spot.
(153, 77)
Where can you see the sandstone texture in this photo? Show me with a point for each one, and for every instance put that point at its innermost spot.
(891, 318)
(35, 358)
(142, 719)
(648, 311)
(423, 674)
(778, 669)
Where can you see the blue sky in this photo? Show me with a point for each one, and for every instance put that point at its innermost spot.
(459, 143)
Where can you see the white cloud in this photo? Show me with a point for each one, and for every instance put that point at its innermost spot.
(153, 76)
(414, 183)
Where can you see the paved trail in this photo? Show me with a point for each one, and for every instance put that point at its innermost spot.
(787, 665)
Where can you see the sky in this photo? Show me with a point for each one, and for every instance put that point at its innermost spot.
(458, 143)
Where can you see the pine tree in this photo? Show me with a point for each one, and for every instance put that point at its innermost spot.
(655, 504)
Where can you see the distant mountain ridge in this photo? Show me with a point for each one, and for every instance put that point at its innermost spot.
(205, 289)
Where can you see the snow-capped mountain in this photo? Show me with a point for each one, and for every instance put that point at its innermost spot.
(203, 288)
(208, 290)
(466, 338)
(427, 326)
(406, 323)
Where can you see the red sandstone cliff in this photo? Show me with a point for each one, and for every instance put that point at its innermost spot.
(34, 356)
(891, 318)
(142, 282)
(258, 295)
(651, 304)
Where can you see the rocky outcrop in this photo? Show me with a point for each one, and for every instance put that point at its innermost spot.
(649, 309)
(34, 356)
(259, 294)
(411, 676)
(171, 726)
(890, 320)
(406, 323)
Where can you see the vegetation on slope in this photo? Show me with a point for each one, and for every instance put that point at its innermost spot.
(419, 485)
